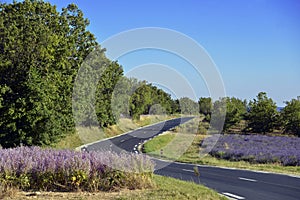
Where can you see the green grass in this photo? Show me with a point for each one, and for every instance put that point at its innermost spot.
(159, 143)
(173, 189)
(69, 142)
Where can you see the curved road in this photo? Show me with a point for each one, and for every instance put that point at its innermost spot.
(232, 183)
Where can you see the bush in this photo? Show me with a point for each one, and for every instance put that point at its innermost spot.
(34, 168)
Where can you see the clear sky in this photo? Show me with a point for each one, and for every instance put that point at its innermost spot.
(255, 44)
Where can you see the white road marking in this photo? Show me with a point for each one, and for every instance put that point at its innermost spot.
(188, 170)
(135, 145)
(122, 141)
(226, 196)
(247, 179)
(232, 195)
(294, 176)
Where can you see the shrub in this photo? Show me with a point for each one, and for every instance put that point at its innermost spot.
(34, 168)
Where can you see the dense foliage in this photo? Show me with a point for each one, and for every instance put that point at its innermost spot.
(40, 52)
(34, 168)
(236, 110)
(258, 149)
(188, 106)
(145, 97)
(263, 114)
(291, 117)
(205, 107)
(260, 115)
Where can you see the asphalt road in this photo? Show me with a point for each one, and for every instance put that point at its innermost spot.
(233, 183)
(129, 142)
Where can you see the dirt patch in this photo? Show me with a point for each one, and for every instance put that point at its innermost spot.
(69, 195)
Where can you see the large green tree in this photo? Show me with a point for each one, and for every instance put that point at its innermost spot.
(291, 117)
(263, 114)
(93, 88)
(41, 51)
(104, 92)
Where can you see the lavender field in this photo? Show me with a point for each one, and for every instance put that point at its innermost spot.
(34, 168)
(259, 149)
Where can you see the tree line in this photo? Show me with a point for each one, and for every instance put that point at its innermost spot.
(260, 115)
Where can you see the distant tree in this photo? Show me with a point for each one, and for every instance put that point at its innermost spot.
(163, 99)
(205, 107)
(123, 90)
(188, 106)
(175, 105)
(263, 114)
(235, 112)
(141, 101)
(157, 109)
(291, 117)
(147, 95)
(218, 114)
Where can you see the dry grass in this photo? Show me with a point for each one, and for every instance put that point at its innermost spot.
(7, 191)
(165, 188)
(19, 195)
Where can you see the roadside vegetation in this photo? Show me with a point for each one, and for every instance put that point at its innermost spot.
(34, 168)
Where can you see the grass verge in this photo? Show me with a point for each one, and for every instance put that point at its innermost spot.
(165, 188)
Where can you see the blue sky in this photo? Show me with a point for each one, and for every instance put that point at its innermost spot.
(255, 44)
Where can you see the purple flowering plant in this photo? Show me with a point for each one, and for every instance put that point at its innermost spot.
(35, 168)
(282, 150)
